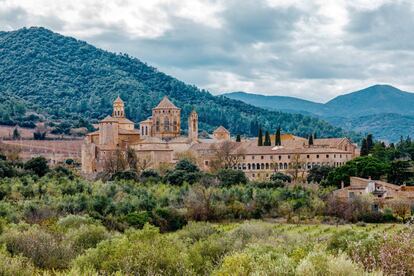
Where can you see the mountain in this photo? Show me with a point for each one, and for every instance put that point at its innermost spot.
(281, 103)
(382, 110)
(376, 99)
(71, 83)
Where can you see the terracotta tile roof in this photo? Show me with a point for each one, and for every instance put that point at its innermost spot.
(165, 103)
(221, 129)
(109, 119)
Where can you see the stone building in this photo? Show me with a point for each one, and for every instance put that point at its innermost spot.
(158, 141)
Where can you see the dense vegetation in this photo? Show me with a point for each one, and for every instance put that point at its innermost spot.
(54, 222)
(70, 80)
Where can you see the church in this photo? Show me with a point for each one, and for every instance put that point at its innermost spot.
(158, 141)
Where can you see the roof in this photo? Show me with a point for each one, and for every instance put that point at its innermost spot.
(146, 121)
(118, 100)
(221, 129)
(165, 103)
(109, 119)
(128, 132)
(329, 142)
(124, 121)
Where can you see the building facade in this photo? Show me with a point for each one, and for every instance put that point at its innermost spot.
(158, 141)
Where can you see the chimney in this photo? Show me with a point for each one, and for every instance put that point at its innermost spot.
(342, 184)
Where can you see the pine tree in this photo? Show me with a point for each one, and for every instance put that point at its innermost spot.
(278, 140)
(364, 147)
(310, 140)
(260, 138)
(370, 142)
(267, 141)
(314, 136)
(238, 138)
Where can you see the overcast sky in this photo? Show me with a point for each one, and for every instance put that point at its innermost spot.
(309, 49)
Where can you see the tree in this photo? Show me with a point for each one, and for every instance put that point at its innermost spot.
(238, 138)
(38, 165)
(226, 155)
(267, 141)
(295, 168)
(318, 173)
(310, 140)
(16, 134)
(278, 140)
(370, 143)
(228, 177)
(281, 177)
(364, 147)
(400, 172)
(260, 138)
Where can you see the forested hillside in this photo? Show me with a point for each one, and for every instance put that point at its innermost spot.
(73, 82)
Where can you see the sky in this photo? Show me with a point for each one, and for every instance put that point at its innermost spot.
(314, 50)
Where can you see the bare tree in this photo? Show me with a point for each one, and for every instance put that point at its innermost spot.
(296, 168)
(226, 155)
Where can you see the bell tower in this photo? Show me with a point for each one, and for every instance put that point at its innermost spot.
(119, 108)
(193, 126)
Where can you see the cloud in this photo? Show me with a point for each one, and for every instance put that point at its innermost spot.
(310, 49)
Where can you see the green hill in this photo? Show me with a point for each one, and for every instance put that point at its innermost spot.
(73, 82)
(382, 110)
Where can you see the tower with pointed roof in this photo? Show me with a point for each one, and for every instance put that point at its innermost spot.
(119, 108)
(193, 126)
(166, 121)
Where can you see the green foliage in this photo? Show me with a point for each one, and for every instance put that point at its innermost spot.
(229, 177)
(184, 171)
(73, 76)
(267, 141)
(38, 165)
(318, 174)
(278, 176)
(260, 138)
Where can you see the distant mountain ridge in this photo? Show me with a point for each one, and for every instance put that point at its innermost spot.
(73, 82)
(388, 109)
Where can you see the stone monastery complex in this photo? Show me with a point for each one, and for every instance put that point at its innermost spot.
(159, 141)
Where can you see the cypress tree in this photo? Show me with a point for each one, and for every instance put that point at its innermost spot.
(267, 141)
(370, 142)
(260, 138)
(364, 147)
(314, 136)
(310, 140)
(238, 138)
(16, 134)
(278, 140)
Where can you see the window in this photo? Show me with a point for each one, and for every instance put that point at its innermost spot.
(288, 156)
(317, 156)
(262, 157)
(307, 156)
(327, 156)
(280, 157)
(271, 157)
(253, 157)
(206, 162)
(166, 124)
(175, 125)
(157, 125)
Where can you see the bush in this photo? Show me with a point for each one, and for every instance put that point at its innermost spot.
(125, 175)
(138, 252)
(45, 249)
(168, 219)
(150, 176)
(280, 177)
(37, 165)
(229, 177)
(137, 219)
(17, 265)
(85, 237)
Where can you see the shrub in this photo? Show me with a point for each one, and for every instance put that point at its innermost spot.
(15, 265)
(280, 177)
(197, 231)
(138, 252)
(85, 237)
(43, 248)
(137, 219)
(37, 165)
(168, 219)
(125, 175)
(229, 177)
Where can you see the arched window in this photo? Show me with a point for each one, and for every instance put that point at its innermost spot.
(253, 166)
(248, 166)
(166, 124)
(280, 166)
(285, 166)
(146, 130)
(157, 124)
(258, 166)
(262, 166)
(267, 166)
(175, 125)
